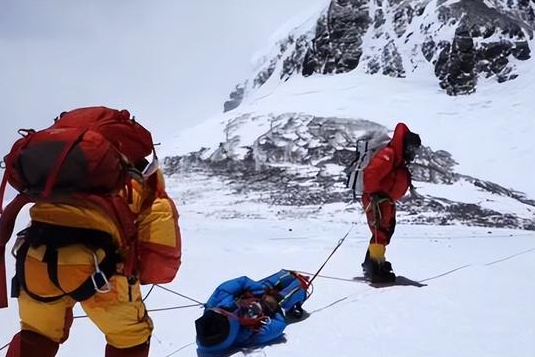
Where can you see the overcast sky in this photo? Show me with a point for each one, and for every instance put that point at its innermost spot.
(172, 63)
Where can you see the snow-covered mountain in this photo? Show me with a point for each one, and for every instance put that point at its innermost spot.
(293, 135)
(458, 41)
(261, 187)
(301, 160)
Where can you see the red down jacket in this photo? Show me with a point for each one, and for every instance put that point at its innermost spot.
(387, 173)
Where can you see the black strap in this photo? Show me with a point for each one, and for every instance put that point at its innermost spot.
(87, 289)
(20, 274)
(51, 260)
(55, 237)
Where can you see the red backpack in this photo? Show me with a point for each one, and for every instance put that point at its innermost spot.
(87, 153)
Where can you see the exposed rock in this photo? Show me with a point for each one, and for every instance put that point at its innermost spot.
(236, 97)
(302, 160)
(471, 39)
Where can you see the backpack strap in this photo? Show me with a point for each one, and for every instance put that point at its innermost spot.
(7, 223)
(2, 191)
(19, 280)
(93, 284)
(3, 282)
(117, 208)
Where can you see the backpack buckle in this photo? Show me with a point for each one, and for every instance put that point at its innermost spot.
(99, 275)
(21, 239)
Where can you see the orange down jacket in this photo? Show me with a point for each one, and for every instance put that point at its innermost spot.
(157, 222)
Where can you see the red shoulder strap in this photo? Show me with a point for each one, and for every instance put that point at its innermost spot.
(117, 208)
(7, 223)
(254, 323)
(2, 191)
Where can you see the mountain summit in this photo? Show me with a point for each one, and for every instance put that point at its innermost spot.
(459, 41)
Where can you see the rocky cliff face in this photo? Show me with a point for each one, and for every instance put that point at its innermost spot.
(301, 160)
(459, 41)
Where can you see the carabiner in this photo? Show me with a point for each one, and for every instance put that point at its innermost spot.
(106, 288)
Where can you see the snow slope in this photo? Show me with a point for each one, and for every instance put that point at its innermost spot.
(475, 302)
(489, 133)
(477, 298)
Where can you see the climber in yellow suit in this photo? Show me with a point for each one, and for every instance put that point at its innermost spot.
(116, 308)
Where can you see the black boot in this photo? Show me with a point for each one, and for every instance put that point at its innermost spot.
(377, 272)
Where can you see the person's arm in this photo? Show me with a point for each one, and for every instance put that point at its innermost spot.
(269, 332)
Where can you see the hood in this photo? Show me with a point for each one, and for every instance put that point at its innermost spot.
(397, 142)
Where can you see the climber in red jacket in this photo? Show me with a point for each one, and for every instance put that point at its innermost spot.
(386, 180)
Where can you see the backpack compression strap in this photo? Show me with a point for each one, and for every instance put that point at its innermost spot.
(7, 223)
(52, 178)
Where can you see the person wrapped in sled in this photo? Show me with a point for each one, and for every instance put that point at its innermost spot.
(242, 312)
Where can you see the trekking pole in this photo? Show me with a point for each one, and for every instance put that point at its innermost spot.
(332, 253)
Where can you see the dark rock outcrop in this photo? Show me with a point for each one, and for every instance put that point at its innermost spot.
(302, 160)
(464, 41)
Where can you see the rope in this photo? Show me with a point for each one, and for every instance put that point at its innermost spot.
(180, 349)
(153, 310)
(197, 303)
(325, 276)
(150, 291)
(510, 257)
(181, 295)
(332, 253)
(173, 308)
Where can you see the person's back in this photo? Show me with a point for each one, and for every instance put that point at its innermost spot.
(80, 248)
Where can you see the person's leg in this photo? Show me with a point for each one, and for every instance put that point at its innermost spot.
(31, 344)
(381, 221)
(136, 351)
(43, 327)
(120, 314)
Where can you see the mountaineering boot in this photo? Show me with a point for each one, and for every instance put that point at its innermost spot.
(31, 344)
(375, 268)
(383, 274)
(141, 350)
(297, 311)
